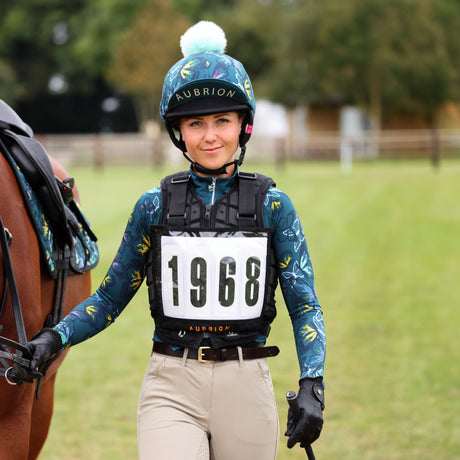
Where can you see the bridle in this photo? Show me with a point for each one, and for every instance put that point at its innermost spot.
(10, 285)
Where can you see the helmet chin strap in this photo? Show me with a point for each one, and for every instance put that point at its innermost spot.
(218, 171)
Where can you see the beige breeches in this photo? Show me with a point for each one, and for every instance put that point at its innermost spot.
(196, 411)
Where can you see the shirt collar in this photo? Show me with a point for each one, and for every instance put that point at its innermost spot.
(204, 185)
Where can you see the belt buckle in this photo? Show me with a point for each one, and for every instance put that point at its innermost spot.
(200, 355)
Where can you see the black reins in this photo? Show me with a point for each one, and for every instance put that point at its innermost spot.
(22, 355)
(11, 287)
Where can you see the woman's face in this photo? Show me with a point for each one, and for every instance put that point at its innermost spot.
(212, 140)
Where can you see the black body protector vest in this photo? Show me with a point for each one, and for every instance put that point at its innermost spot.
(211, 272)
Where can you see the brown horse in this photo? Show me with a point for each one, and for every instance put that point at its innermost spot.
(25, 420)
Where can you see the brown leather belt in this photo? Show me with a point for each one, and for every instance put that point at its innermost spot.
(210, 355)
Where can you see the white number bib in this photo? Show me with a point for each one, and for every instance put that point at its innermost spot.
(213, 278)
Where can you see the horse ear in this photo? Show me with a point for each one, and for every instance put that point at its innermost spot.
(9, 119)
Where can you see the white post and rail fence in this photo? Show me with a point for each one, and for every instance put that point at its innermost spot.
(99, 150)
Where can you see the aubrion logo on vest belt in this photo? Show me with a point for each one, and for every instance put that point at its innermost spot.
(203, 92)
(219, 328)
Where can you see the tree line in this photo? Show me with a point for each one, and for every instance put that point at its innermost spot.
(386, 56)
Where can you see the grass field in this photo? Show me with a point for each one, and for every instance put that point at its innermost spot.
(385, 246)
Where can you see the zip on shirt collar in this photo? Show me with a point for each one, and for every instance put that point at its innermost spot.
(210, 189)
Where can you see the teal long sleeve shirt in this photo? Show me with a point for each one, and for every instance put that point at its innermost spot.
(127, 272)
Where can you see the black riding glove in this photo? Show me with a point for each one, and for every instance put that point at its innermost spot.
(44, 347)
(307, 428)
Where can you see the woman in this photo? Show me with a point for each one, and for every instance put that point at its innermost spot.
(213, 243)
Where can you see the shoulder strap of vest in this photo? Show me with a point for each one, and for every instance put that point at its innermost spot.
(250, 185)
(247, 199)
(178, 187)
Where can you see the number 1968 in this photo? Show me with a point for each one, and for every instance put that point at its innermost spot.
(227, 281)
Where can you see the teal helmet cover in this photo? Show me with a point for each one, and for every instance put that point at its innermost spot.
(206, 74)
